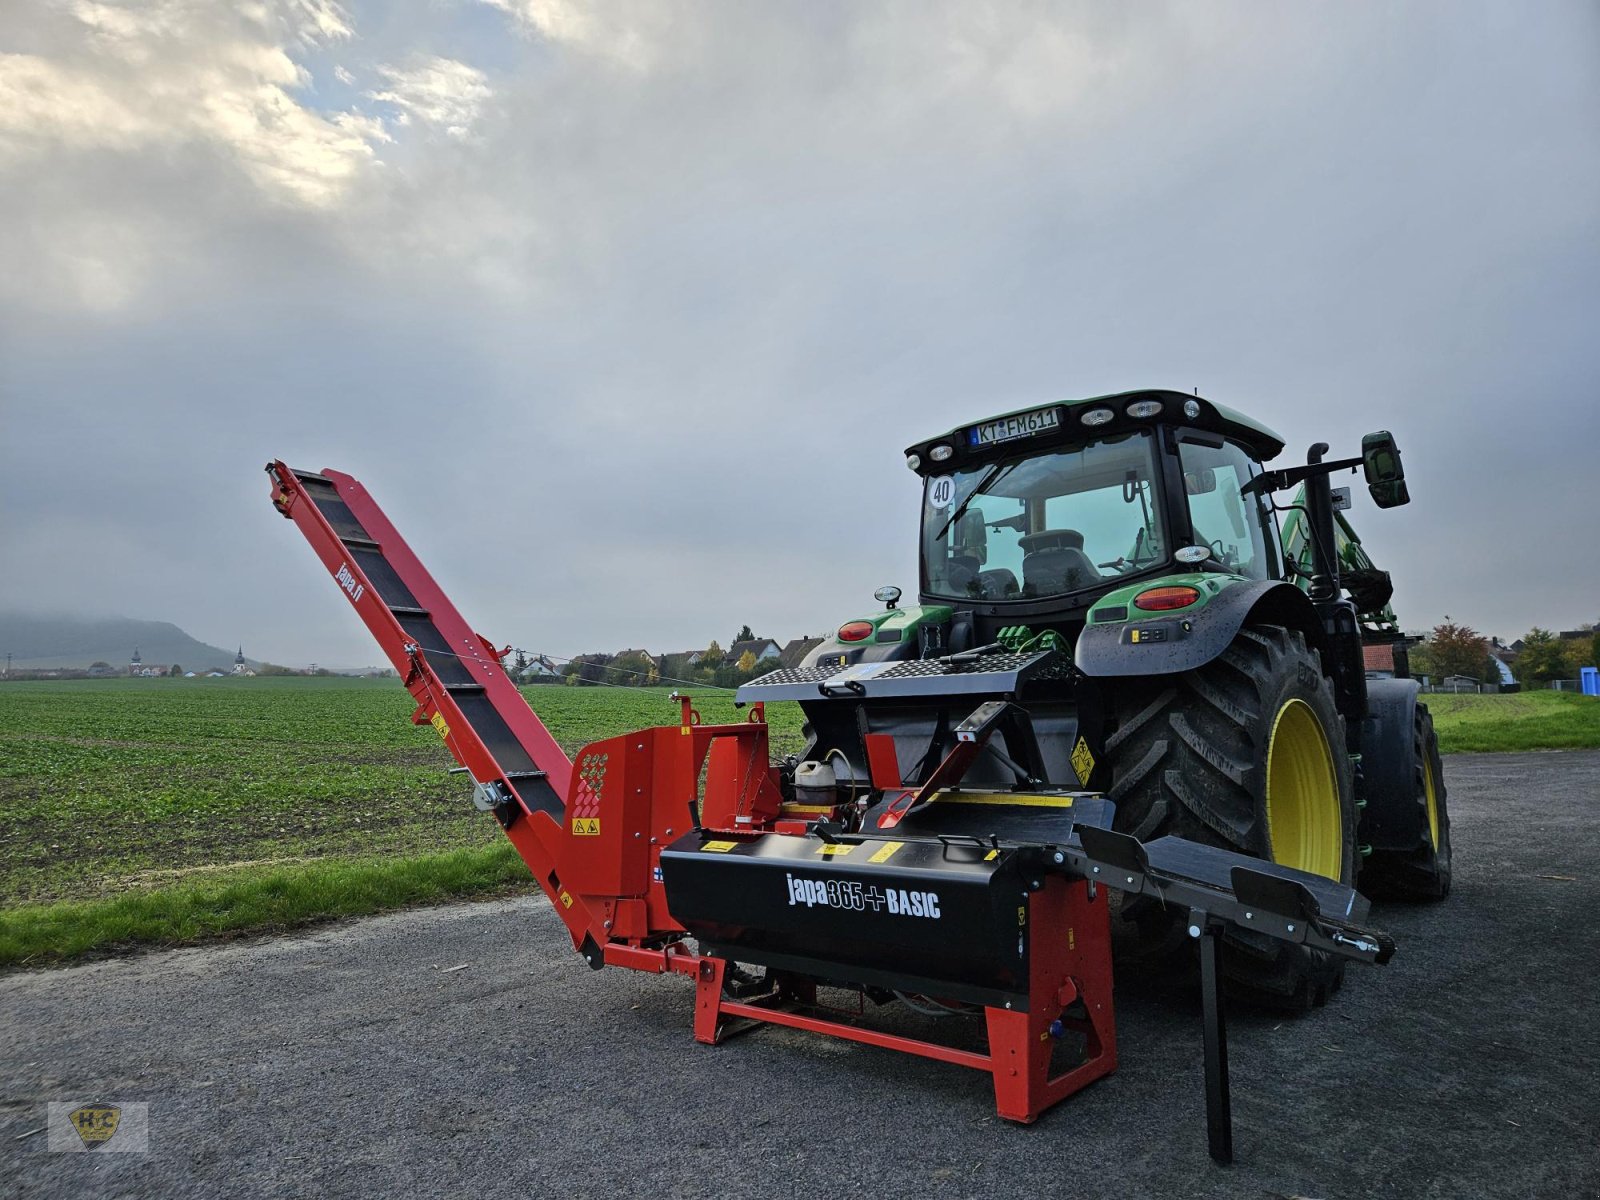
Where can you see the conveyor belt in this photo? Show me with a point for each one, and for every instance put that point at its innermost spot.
(479, 712)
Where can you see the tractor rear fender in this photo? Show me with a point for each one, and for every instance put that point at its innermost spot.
(1392, 818)
(1167, 643)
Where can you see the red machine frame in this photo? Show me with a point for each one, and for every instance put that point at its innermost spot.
(596, 853)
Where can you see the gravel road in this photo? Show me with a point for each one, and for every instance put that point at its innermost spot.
(348, 1062)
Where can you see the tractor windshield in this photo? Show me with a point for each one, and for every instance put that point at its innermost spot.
(1044, 524)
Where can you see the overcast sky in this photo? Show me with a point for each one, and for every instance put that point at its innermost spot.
(626, 311)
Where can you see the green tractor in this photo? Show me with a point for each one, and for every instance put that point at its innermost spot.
(1115, 569)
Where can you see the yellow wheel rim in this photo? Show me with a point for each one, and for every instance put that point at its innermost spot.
(1431, 796)
(1304, 825)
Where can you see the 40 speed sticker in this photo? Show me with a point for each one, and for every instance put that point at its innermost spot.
(854, 896)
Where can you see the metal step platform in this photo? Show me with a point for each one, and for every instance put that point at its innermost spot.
(999, 674)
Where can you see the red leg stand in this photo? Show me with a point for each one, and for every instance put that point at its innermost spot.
(1069, 960)
(708, 1000)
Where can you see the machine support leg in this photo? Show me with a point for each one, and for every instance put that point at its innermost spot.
(708, 1000)
(1219, 1113)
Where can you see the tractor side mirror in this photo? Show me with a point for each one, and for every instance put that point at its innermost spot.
(1386, 478)
(1200, 483)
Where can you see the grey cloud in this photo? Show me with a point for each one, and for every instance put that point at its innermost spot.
(635, 362)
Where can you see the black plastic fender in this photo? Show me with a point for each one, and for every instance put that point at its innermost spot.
(1170, 643)
(1393, 818)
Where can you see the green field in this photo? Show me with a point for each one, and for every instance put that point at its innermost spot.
(111, 790)
(1539, 720)
(154, 811)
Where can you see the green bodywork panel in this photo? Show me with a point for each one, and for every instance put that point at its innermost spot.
(1297, 550)
(906, 620)
(1208, 583)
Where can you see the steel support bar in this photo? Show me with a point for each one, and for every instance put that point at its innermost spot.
(856, 1033)
(1219, 1110)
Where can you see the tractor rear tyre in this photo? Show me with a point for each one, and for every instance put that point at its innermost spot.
(1247, 753)
(1423, 873)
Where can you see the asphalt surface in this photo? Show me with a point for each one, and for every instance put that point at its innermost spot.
(347, 1062)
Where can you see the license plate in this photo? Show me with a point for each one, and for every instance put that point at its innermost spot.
(1008, 429)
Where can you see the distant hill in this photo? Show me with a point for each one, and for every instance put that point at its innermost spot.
(35, 641)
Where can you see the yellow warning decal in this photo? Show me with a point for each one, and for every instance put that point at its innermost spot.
(885, 852)
(585, 826)
(566, 899)
(718, 847)
(1009, 799)
(834, 850)
(1082, 761)
(991, 856)
(438, 723)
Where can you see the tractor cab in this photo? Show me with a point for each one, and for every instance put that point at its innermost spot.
(1034, 516)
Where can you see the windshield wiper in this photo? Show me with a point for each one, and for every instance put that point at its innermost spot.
(993, 476)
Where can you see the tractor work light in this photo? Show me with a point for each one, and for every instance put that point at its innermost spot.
(858, 631)
(1163, 599)
(913, 461)
(941, 452)
(1191, 409)
(1097, 416)
(1140, 409)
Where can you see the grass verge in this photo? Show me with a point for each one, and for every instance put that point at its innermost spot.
(251, 901)
(1539, 720)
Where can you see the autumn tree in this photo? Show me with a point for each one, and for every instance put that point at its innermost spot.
(1458, 650)
(713, 655)
(747, 661)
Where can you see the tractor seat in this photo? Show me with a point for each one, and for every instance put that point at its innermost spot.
(1053, 561)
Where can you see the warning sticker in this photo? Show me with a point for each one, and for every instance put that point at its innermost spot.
(438, 723)
(585, 826)
(566, 899)
(1082, 761)
(885, 852)
(834, 850)
(718, 847)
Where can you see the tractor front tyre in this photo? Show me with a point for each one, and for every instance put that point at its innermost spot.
(1247, 753)
(1422, 873)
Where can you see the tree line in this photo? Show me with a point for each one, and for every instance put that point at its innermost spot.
(1457, 649)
